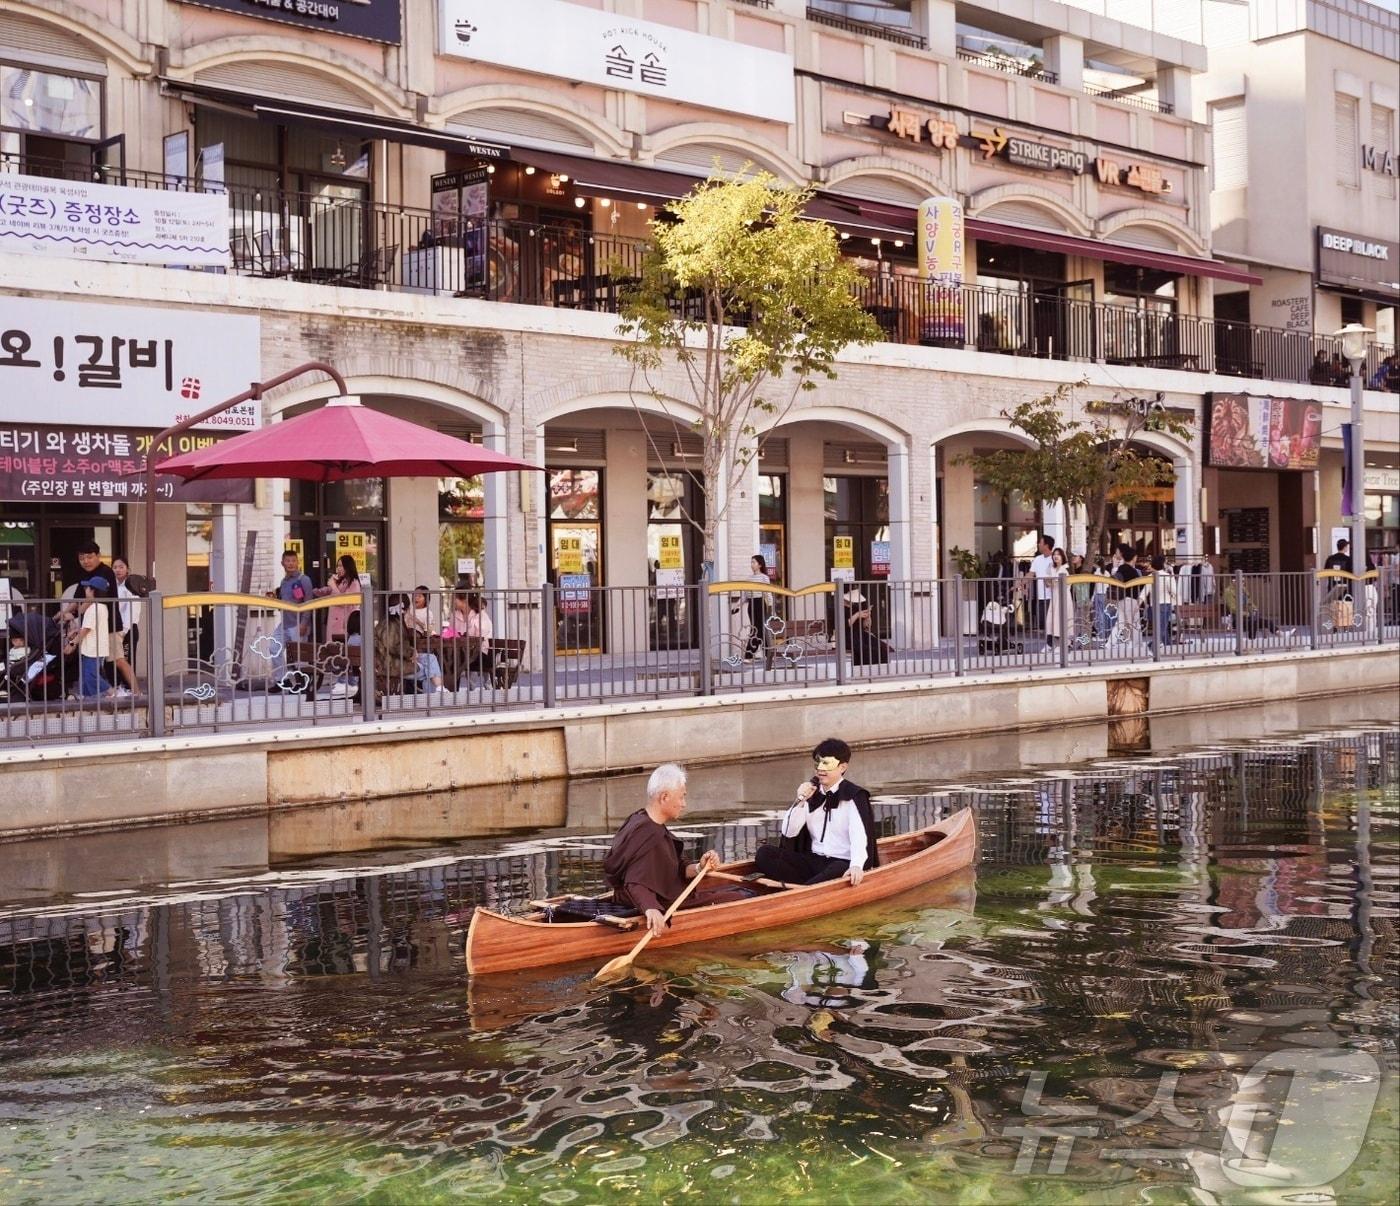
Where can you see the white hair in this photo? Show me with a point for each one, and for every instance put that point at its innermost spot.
(669, 776)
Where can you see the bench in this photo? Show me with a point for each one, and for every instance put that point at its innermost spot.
(1200, 617)
(454, 654)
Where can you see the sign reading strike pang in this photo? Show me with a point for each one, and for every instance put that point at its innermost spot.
(549, 37)
(377, 20)
(1025, 153)
(75, 363)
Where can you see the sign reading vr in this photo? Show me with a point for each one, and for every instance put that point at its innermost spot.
(549, 37)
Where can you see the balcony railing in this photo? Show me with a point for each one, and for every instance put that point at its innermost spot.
(1151, 103)
(1007, 65)
(313, 239)
(886, 33)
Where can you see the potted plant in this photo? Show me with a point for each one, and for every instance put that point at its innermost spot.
(969, 565)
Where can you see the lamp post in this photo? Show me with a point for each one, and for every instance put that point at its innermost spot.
(252, 394)
(1353, 337)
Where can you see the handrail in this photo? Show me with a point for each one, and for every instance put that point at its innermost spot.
(817, 588)
(235, 599)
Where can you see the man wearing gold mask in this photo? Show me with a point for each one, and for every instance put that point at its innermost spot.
(829, 832)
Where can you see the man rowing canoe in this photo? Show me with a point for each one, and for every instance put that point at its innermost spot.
(644, 866)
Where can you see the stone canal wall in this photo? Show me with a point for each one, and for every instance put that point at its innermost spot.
(118, 784)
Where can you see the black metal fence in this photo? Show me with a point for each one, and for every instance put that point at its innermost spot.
(315, 239)
(203, 662)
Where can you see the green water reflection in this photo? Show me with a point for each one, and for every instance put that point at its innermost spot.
(1075, 1021)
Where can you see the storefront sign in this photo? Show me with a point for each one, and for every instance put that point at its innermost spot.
(568, 554)
(1381, 481)
(912, 126)
(92, 364)
(1354, 261)
(176, 148)
(1378, 159)
(880, 558)
(939, 230)
(669, 553)
(549, 37)
(351, 544)
(1250, 432)
(843, 552)
(43, 463)
(376, 20)
(574, 592)
(40, 215)
(1043, 157)
(1144, 177)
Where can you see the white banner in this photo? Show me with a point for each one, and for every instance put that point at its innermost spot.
(43, 216)
(64, 362)
(549, 37)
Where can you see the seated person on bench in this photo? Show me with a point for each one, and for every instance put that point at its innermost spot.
(644, 866)
(829, 832)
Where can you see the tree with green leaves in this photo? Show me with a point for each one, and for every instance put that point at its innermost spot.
(752, 303)
(1085, 463)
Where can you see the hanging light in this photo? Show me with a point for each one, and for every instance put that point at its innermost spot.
(337, 159)
(563, 179)
(899, 242)
(529, 169)
(605, 202)
(580, 202)
(641, 205)
(490, 169)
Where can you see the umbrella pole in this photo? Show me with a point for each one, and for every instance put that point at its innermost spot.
(253, 393)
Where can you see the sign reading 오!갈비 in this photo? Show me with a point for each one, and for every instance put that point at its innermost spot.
(549, 37)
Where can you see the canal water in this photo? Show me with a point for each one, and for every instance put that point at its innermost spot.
(1171, 977)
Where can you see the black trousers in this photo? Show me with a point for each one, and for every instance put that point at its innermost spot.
(793, 868)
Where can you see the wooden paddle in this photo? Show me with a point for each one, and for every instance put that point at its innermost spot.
(615, 969)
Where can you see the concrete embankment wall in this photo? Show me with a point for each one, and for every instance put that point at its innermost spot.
(117, 784)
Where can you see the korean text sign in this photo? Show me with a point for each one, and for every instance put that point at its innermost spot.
(575, 43)
(1247, 431)
(132, 365)
(40, 463)
(82, 220)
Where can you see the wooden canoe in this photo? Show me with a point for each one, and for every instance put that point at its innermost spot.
(497, 943)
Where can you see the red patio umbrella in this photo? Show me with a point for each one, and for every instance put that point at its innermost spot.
(338, 441)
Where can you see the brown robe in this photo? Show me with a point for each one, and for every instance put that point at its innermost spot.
(644, 866)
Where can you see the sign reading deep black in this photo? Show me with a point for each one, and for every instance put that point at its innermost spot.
(1357, 262)
(377, 20)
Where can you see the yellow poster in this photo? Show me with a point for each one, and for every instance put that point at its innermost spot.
(843, 552)
(352, 543)
(939, 230)
(670, 553)
(568, 554)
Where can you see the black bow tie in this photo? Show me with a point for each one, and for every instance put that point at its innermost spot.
(827, 799)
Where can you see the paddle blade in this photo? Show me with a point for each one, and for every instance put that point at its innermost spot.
(614, 969)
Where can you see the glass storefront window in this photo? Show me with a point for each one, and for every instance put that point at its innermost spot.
(1383, 521)
(573, 494)
(461, 530)
(44, 102)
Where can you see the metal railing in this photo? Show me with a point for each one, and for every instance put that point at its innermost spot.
(1008, 65)
(886, 33)
(211, 662)
(1151, 103)
(370, 245)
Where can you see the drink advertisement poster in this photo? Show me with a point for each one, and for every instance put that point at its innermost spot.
(1247, 431)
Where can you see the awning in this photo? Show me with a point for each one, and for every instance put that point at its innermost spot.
(602, 178)
(340, 121)
(898, 221)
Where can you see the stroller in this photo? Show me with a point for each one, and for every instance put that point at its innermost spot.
(34, 671)
(999, 632)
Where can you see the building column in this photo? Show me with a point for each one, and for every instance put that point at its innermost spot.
(1185, 499)
(1064, 55)
(936, 21)
(496, 522)
(1174, 88)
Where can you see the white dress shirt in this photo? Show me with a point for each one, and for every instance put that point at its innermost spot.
(1043, 568)
(835, 833)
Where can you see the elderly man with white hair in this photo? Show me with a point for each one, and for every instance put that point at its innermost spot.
(644, 866)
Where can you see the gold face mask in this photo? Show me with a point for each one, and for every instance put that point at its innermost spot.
(826, 764)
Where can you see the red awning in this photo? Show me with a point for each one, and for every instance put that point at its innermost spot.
(898, 221)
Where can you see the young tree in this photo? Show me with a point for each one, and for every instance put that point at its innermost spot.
(753, 302)
(1087, 463)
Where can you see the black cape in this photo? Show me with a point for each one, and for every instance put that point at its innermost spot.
(846, 790)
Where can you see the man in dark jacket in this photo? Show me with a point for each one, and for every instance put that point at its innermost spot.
(1341, 559)
(829, 832)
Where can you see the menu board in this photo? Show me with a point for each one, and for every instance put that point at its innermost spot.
(1249, 561)
(1246, 431)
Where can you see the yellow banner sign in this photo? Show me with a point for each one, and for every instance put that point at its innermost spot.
(353, 545)
(939, 230)
(843, 552)
(669, 553)
(568, 554)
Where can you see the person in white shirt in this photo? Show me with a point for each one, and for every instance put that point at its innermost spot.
(92, 641)
(829, 832)
(1043, 571)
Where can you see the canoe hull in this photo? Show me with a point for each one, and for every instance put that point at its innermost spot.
(497, 943)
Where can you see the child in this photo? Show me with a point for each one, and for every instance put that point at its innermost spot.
(93, 637)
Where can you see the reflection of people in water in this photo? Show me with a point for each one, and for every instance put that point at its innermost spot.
(824, 980)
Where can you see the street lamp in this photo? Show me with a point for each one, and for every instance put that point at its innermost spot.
(1353, 337)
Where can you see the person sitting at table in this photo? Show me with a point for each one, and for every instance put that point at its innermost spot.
(416, 620)
(1320, 372)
